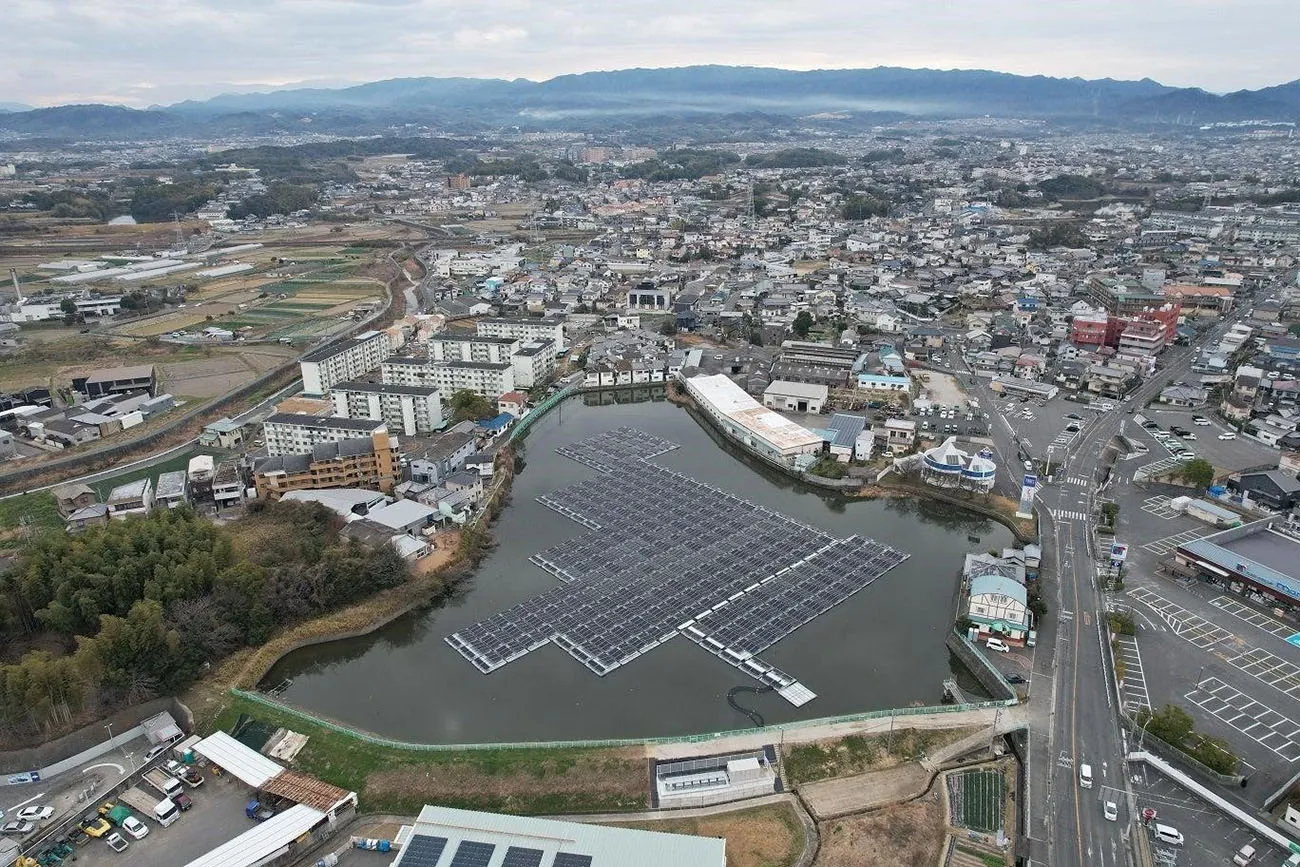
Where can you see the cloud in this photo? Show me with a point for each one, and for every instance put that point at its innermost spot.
(76, 50)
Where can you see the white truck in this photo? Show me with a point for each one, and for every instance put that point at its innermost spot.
(166, 785)
(164, 812)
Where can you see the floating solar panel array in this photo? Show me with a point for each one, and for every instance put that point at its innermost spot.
(670, 555)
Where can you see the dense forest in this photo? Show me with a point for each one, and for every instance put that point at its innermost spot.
(795, 158)
(681, 165)
(136, 609)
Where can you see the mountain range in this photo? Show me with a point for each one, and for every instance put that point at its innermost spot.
(611, 100)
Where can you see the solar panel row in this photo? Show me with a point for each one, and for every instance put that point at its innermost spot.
(670, 549)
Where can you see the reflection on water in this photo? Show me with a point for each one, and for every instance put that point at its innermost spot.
(882, 648)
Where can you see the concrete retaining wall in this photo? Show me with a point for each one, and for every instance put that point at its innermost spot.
(89, 741)
(1175, 756)
(985, 672)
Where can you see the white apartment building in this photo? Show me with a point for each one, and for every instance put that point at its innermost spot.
(469, 347)
(408, 409)
(533, 362)
(490, 379)
(290, 434)
(343, 361)
(524, 329)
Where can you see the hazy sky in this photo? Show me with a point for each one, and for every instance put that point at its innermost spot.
(143, 52)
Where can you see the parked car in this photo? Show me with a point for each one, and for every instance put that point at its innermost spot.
(95, 826)
(1200, 420)
(1245, 855)
(1188, 436)
(35, 813)
(135, 827)
(997, 644)
(1016, 678)
(1074, 416)
(117, 842)
(1230, 435)
(17, 829)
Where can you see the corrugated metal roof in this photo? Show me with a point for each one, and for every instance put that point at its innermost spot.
(267, 838)
(302, 789)
(607, 847)
(234, 758)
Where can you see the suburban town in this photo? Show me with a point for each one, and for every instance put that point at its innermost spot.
(970, 448)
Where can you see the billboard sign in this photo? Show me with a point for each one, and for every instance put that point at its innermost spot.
(1028, 487)
(1118, 552)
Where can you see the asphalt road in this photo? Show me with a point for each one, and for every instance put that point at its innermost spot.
(1085, 727)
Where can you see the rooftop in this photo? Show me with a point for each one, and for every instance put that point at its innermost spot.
(323, 422)
(560, 844)
(112, 374)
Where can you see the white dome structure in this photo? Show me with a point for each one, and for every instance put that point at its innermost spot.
(947, 466)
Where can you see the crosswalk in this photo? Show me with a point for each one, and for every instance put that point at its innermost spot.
(1064, 515)
(1080, 481)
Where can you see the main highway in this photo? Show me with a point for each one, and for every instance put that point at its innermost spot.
(1080, 724)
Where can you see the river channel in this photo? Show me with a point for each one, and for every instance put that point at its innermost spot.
(883, 648)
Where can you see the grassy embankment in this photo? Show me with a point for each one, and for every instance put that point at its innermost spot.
(398, 780)
(857, 754)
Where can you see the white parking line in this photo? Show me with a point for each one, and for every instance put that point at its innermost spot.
(1135, 684)
(1171, 543)
(1253, 617)
(1231, 706)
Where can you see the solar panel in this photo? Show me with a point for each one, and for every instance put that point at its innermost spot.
(518, 856)
(422, 851)
(569, 859)
(471, 853)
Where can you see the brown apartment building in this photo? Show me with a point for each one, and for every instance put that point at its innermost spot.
(367, 462)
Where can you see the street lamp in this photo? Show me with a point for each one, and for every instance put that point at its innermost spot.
(1198, 677)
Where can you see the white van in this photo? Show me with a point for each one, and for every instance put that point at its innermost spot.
(1085, 776)
(1244, 856)
(998, 645)
(1169, 834)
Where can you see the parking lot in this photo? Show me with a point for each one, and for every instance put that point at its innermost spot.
(1256, 721)
(1225, 663)
(217, 816)
(1211, 838)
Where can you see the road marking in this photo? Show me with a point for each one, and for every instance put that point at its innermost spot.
(1159, 506)
(1063, 515)
(1169, 543)
(1255, 618)
(1135, 695)
(1280, 734)
(118, 768)
(28, 801)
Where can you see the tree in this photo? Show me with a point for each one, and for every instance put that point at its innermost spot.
(669, 328)
(68, 306)
(803, 323)
(1198, 472)
(469, 405)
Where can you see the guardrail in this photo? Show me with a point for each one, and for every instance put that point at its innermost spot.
(775, 729)
(540, 411)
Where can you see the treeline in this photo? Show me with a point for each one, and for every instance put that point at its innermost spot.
(524, 166)
(796, 158)
(279, 198)
(1058, 235)
(324, 162)
(74, 204)
(862, 207)
(155, 202)
(1071, 187)
(681, 165)
(143, 605)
